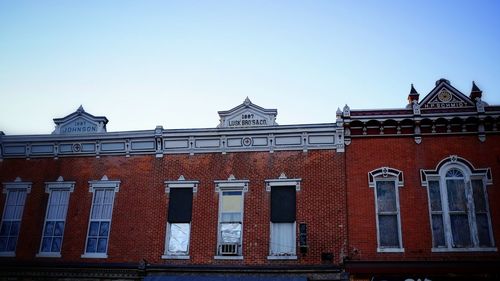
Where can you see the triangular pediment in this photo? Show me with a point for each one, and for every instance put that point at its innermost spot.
(80, 122)
(247, 114)
(445, 96)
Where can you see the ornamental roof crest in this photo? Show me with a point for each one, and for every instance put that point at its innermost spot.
(247, 115)
(445, 96)
(80, 122)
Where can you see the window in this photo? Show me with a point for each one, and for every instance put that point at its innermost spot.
(55, 217)
(230, 229)
(96, 245)
(179, 218)
(282, 244)
(458, 206)
(12, 215)
(385, 182)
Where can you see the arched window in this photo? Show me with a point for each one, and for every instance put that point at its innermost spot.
(458, 206)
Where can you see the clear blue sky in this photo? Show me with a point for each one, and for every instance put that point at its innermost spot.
(176, 63)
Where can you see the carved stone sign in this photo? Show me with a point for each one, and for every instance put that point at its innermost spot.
(79, 125)
(80, 122)
(247, 115)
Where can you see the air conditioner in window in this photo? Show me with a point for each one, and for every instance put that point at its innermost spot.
(228, 249)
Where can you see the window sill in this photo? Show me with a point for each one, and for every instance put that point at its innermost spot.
(390, 250)
(447, 250)
(48, 255)
(281, 257)
(94, 256)
(7, 254)
(175, 257)
(228, 257)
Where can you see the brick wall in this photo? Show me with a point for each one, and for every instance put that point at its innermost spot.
(366, 154)
(140, 207)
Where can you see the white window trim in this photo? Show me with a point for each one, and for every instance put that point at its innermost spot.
(93, 185)
(231, 184)
(396, 176)
(282, 180)
(61, 185)
(7, 186)
(470, 173)
(179, 183)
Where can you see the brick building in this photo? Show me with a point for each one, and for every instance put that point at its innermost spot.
(378, 194)
(422, 190)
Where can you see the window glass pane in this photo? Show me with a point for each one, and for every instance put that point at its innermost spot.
(49, 228)
(98, 197)
(3, 244)
(456, 195)
(18, 211)
(56, 244)
(21, 196)
(9, 212)
(438, 231)
(479, 197)
(101, 245)
(4, 231)
(178, 238)
(46, 242)
(106, 211)
(59, 228)
(91, 245)
(64, 197)
(61, 212)
(51, 213)
(460, 231)
(14, 228)
(11, 244)
(96, 211)
(104, 229)
(435, 196)
(282, 239)
(12, 197)
(108, 198)
(54, 198)
(483, 230)
(230, 232)
(386, 196)
(231, 217)
(231, 201)
(94, 229)
(388, 231)
(454, 173)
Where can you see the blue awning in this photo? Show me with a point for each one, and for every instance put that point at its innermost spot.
(223, 278)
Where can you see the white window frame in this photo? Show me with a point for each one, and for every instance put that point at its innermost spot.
(469, 173)
(396, 176)
(16, 185)
(180, 183)
(59, 185)
(102, 184)
(283, 181)
(231, 184)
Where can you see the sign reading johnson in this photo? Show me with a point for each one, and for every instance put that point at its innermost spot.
(80, 122)
(246, 115)
(78, 126)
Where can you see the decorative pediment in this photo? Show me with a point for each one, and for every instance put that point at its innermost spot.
(445, 96)
(80, 122)
(246, 115)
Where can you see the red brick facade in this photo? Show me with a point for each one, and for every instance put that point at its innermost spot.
(405, 155)
(140, 208)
